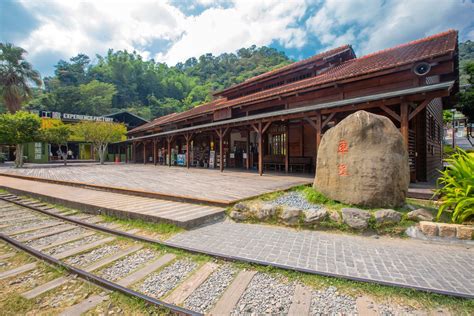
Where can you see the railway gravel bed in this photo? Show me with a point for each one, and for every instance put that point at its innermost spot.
(93, 256)
(72, 245)
(12, 229)
(125, 266)
(207, 294)
(54, 238)
(331, 302)
(265, 295)
(158, 284)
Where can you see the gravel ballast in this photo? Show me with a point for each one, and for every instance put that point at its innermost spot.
(93, 256)
(331, 302)
(296, 200)
(72, 245)
(207, 294)
(33, 224)
(158, 284)
(122, 268)
(57, 237)
(265, 295)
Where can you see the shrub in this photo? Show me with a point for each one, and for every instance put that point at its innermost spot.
(456, 187)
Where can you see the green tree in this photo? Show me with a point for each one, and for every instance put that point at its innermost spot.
(467, 96)
(96, 97)
(17, 129)
(16, 75)
(58, 133)
(101, 134)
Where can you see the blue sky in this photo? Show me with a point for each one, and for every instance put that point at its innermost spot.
(172, 31)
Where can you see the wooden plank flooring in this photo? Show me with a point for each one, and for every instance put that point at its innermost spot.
(209, 184)
(126, 206)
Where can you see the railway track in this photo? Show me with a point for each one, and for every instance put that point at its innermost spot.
(178, 283)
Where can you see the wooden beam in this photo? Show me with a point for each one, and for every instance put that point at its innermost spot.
(169, 139)
(188, 139)
(327, 120)
(404, 122)
(255, 128)
(221, 151)
(266, 127)
(420, 107)
(390, 112)
(311, 122)
(318, 131)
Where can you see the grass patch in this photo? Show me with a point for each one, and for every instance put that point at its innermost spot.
(165, 230)
(15, 304)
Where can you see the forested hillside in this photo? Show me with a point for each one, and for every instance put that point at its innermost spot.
(466, 55)
(123, 80)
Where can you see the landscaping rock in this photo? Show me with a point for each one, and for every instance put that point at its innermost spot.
(290, 215)
(447, 230)
(429, 228)
(240, 207)
(265, 211)
(335, 216)
(465, 232)
(238, 216)
(387, 216)
(420, 215)
(363, 161)
(355, 218)
(313, 215)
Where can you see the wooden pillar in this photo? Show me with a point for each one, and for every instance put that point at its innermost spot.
(187, 137)
(287, 147)
(126, 153)
(260, 149)
(221, 133)
(318, 131)
(134, 152)
(247, 161)
(169, 140)
(144, 152)
(154, 152)
(404, 122)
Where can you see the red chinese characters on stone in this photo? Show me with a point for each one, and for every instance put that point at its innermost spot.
(343, 147)
(342, 169)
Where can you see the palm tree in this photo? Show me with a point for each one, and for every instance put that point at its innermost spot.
(16, 75)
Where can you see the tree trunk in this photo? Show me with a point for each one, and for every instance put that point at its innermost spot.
(102, 149)
(19, 156)
(63, 154)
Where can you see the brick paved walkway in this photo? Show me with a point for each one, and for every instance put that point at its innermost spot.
(201, 183)
(437, 268)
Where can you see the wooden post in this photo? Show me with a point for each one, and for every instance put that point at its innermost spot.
(247, 162)
(260, 149)
(144, 153)
(154, 152)
(169, 139)
(221, 133)
(287, 147)
(187, 137)
(318, 131)
(404, 122)
(134, 152)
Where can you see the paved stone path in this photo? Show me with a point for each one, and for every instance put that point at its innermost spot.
(409, 263)
(208, 184)
(125, 206)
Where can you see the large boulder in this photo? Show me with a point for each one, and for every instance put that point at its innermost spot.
(363, 161)
(265, 211)
(290, 215)
(314, 215)
(420, 215)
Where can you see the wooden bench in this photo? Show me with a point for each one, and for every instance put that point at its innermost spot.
(272, 162)
(303, 164)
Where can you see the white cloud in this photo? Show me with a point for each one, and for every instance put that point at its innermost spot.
(371, 25)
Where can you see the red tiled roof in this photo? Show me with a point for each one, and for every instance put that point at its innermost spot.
(291, 66)
(422, 49)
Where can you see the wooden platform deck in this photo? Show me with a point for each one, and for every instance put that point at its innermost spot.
(182, 214)
(206, 186)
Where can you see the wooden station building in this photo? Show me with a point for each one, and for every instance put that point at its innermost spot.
(275, 121)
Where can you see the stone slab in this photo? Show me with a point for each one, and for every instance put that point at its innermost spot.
(16, 271)
(301, 301)
(84, 306)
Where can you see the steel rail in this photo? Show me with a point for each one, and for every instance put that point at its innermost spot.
(240, 259)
